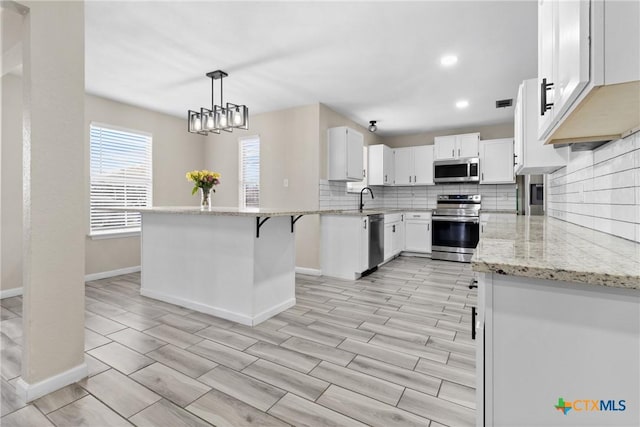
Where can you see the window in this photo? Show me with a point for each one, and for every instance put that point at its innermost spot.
(120, 165)
(250, 172)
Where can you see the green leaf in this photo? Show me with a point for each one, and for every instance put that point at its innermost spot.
(195, 189)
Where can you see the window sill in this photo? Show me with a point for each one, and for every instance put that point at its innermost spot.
(114, 234)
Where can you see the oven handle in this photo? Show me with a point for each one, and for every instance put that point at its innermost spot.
(456, 219)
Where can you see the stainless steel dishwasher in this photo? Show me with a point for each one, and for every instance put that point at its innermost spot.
(376, 240)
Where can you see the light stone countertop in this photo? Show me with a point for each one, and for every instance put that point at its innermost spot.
(499, 211)
(226, 211)
(547, 248)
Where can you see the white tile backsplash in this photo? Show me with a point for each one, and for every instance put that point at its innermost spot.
(334, 195)
(600, 189)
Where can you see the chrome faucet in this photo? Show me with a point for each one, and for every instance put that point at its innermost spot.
(362, 191)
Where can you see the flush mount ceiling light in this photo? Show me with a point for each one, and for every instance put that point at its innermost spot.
(219, 117)
(372, 126)
(448, 60)
(463, 103)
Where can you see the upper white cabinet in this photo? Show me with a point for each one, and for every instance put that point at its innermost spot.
(345, 154)
(456, 146)
(414, 165)
(532, 156)
(496, 161)
(588, 70)
(380, 165)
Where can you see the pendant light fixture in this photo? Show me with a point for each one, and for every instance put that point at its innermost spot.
(219, 117)
(372, 126)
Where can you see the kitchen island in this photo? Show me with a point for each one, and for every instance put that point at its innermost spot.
(558, 318)
(231, 263)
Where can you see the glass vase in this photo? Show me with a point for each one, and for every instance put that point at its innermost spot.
(205, 198)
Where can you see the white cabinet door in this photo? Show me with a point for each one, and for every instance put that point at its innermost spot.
(546, 58)
(388, 240)
(364, 244)
(496, 161)
(518, 130)
(344, 162)
(355, 143)
(398, 237)
(403, 166)
(423, 165)
(389, 166)
(467, 145)
(417, 235)
(572, 56)
(444, 147)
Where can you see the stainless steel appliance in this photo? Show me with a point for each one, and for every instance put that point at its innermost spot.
(455, 227)
(376, 240)
(534, 194)
(459, 170)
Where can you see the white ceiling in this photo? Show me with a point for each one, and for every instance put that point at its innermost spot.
(365, 60)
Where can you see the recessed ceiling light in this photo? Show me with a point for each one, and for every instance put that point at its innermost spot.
(462, 104)
(448, 60)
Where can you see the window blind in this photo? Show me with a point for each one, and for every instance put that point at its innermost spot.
(120, 170)
(250, 172)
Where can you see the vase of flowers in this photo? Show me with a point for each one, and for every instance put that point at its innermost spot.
(205, 181)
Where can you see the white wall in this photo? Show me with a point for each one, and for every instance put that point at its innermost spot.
(600, 189)
(11, 184)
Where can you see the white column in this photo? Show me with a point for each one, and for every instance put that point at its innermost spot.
(54, 211)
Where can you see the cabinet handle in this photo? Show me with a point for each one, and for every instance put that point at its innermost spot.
(365, 224)
(414, 179)
(364, 173)
(409, 178)
(544, 105)
(458, 152)
(394, 228)
(453, 152)
(473, 323)
(515, 159)
(385, 178)
(483, 176)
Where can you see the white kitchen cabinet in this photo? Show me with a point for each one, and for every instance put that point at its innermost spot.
(417, 230)
(532, 156)
(344, 247)
(344, 154)
(588, 70)
(357, 186)
(393, 235)
(414, 165)
(496, 161)
(380, 165)
(456, 146)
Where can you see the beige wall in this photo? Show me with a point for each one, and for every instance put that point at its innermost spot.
(504, 130)
(174, 153)
(11, 184)
(289, 149)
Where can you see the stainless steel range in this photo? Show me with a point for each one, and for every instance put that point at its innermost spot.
(456, 227)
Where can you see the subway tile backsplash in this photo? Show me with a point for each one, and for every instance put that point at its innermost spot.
(600, 189)
(333, 195)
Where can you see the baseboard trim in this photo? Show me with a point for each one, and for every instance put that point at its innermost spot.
(220, 312)
(30, 392)
(111, 273)
(309, 271)
(8, 293)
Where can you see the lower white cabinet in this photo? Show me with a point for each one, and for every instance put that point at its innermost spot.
(393, 235)
(417, 230)
(344, 251)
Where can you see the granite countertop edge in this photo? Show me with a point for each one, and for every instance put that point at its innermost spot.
(588, 264)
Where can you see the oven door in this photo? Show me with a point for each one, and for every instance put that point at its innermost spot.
(455, 234)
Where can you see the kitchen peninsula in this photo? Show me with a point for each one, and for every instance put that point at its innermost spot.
(559, 318)
(228, 262)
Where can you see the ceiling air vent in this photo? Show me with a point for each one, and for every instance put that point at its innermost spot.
(504, 103)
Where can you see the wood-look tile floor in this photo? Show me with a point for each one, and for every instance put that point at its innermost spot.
(392, 349)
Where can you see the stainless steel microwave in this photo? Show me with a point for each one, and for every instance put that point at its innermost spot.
(458, 170)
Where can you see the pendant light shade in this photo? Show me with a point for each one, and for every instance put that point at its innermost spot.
(220, 117)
